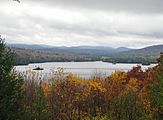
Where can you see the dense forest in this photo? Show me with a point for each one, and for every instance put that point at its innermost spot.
(132, 95)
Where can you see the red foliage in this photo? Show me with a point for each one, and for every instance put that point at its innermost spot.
(137, 73)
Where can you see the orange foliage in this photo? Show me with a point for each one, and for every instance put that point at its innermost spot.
(71, 96)
(133, 85)
(46, 87)
(115, 84)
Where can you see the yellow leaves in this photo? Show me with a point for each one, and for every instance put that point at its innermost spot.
(148, 107)
(115, 84)
(91, 88)
(72, 79)
(94, 85)
(119, 77)
(147, 104)
(133, 85)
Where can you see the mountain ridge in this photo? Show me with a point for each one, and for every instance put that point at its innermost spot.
(144, 55)
(77, 50)
(86, 53)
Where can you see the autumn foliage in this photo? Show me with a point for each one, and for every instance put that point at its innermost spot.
(128, 95)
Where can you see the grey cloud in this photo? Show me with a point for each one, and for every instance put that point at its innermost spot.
(95, 22)
(136, 6)
(148, 35)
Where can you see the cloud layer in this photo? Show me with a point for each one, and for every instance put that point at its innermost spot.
(83, 22)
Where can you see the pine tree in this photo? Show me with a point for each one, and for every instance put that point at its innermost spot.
(41, 109)
(156, 90)
(11, 91)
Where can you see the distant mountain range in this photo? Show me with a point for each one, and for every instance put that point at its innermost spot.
(79, 50)
(43, 53)
(32, 46)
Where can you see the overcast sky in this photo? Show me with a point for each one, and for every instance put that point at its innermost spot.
(114, 23)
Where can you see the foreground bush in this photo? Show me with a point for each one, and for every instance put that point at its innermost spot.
(11, 90)
(135, 95)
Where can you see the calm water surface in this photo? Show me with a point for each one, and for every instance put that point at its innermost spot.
(82, 69)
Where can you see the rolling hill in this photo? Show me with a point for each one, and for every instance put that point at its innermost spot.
(78, 50)
(26, 54)
(144, 55)
(147, 51)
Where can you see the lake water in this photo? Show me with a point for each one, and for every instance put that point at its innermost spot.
(82, 69)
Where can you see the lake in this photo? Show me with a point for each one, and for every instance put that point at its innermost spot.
(82, 69)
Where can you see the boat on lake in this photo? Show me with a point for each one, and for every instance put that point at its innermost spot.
(38, 68)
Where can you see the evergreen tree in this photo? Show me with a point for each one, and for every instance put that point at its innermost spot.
(11, 91)
(156, 90)
(41, 109)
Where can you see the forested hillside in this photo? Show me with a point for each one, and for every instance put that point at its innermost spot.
(144, 55)
(26, 56)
